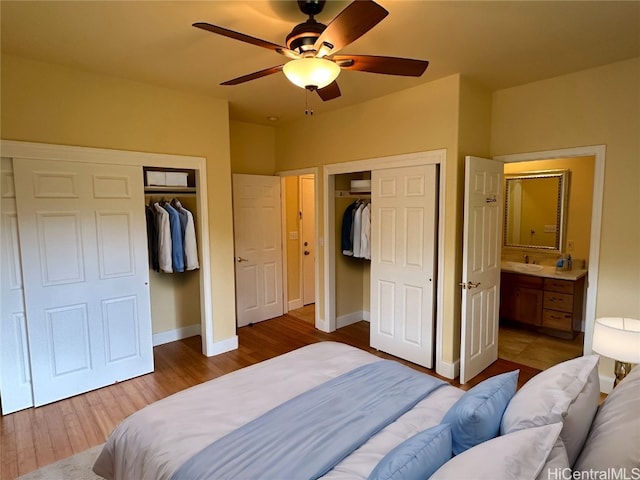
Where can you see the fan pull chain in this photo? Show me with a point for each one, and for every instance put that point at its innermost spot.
(307, 110)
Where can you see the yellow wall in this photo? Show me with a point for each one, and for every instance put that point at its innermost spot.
(53, 104)
(591, 107)
(252, 148)
(580, 198)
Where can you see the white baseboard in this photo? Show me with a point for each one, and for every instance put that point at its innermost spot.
(448, 370)
(224, 346)
(366, 316)
(295, 304)
(177, 334)
(353, 317)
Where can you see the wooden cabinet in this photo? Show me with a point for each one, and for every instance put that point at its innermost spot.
(521, 298)
(563, 304)
(550, 303)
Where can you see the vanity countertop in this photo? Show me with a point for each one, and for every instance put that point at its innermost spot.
(542, 271)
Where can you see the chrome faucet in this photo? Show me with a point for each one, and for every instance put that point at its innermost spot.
(526, 258)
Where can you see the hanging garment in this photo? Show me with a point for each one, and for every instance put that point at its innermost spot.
(190, 243)
(177, 250)
(357, 230)
(347, 230)
(164, 239)
(175, 203)
(365, 236)
(152, 237)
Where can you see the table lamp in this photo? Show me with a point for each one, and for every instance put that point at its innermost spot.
(618, 338)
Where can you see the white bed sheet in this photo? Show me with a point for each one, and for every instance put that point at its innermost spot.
(153, 442)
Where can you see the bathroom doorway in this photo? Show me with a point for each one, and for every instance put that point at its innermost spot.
(533, 346)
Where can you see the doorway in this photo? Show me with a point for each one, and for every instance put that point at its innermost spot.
(299, 238)
(583, 242)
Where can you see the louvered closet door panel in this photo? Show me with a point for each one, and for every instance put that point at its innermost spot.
(84, 256)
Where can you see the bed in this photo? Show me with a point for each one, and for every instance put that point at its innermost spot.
(488, 421)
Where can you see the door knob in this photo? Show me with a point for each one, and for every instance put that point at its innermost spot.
(240, 259)
(306, 252)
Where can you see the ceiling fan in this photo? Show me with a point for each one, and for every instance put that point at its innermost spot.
(312, 48)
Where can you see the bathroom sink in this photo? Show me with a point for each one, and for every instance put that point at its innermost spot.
(522, 267)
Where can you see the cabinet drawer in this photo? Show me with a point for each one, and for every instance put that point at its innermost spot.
(557, 320)
(560, 286)
(558, 301)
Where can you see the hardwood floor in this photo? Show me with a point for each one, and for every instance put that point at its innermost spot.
(36, 437)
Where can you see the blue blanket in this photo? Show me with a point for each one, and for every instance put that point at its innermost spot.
(308, 435)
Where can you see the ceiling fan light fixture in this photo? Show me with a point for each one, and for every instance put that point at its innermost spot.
(311, 72)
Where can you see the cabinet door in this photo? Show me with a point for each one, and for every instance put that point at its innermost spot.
(528, 306)
(507, 299)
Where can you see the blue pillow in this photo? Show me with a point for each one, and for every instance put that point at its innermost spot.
(416, 458)
(476, 416)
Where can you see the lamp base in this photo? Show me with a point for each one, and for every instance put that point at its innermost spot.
(621, 371)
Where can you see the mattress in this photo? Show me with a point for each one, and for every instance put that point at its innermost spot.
(155, 441)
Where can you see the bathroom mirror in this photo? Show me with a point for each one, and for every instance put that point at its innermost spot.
(536, 209)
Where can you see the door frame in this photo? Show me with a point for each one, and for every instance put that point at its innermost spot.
(599, 153)
(437, 157)
(301, 236)
(42, 151)
(283, 222)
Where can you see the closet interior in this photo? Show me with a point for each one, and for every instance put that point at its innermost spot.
(175, 295)
(352, 269)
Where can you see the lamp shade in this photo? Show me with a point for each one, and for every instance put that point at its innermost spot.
(311, 72)
(617, 338)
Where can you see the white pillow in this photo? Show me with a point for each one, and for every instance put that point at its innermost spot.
(520, 455)
(557, 464)
(614, 439)
(567, 393)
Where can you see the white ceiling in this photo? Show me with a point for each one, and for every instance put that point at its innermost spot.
(498, 43)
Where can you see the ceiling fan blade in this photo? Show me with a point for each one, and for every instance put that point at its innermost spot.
(225, 32)
(354, 21)
(376, 64)
(329, 92)
(254, 75)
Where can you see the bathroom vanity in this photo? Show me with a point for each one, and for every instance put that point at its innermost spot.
(539, 296)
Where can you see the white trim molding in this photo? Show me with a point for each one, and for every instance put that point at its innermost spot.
(169, 336)
(294, 304)
(449, 370)
(351, 318)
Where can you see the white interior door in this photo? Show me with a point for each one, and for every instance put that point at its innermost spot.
(481, 265)
(307, 207)
(403, 236)
(258, 247)
(86, 277)
(15, 370)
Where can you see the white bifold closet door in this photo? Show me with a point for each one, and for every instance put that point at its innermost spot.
(403, 241)
(15, 372)
(86, 278)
